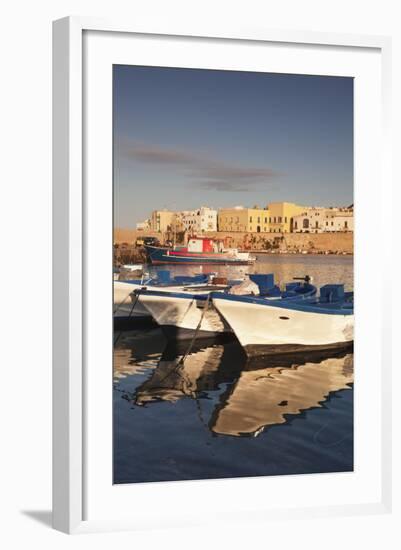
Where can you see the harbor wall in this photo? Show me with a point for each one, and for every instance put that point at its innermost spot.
(336, 243)
(129, 236)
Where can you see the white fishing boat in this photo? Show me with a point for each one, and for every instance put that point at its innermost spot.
(280, 326)
(127, 306)
(122, 305)
(180, 314)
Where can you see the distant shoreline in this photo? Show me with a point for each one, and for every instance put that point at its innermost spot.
(126, 249)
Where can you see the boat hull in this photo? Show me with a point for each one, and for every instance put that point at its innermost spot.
(159, 256)
(180, 315)
(271, 328)
(124, 301)
(173, 332)
(256, 350)
(123, 305)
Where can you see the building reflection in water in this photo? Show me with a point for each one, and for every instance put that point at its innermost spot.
(254, 394)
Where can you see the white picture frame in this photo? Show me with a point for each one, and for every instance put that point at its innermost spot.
(70, 261)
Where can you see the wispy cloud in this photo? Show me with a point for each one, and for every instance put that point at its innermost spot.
(158, 155)
(206, 172)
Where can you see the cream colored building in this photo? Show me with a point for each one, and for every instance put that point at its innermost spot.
(162, 220)
(250, 220)
(281, 216)
(143, 226)
(199, 221)
(323, 220)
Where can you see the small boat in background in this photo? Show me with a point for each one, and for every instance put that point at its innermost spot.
(265, 327)
(200, 250)
(130, 271)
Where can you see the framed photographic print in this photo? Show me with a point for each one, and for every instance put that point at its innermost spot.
(216, 236)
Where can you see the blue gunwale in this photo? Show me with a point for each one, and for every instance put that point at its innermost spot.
(164, 255)
(307, 305)
(152, 292)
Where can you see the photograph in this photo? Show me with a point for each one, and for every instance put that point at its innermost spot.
(232, 273)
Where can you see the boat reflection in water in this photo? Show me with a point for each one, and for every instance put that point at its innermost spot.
(178, 375)
(131, 354)
(264, 397)
(255, 394)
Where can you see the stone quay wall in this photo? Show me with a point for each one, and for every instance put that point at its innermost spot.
(335, 243)
(312, 243)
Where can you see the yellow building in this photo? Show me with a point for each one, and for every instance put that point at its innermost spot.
(281, 216)
(162, 220)
(250, 220)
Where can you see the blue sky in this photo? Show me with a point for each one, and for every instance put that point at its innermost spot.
(190, 137)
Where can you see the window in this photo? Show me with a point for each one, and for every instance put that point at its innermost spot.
(296, 225)
(285, 219)
(327, 223)
(274, 219)
(270, 220)
(279, 219)
(265, 220)
(250, 219)
(316, 225)
(305, 223)
(258, 219)
(346, 225)
(332, 223)
(250, 228)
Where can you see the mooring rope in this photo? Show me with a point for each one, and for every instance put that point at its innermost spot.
(137, 292)
(188, 351)
(196, 330)
(121, 303)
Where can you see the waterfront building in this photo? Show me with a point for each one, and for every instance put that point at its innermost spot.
(162, 220)
(199, 221)
(323, 220)
(143, 226)
(281, 216)
(249, 220)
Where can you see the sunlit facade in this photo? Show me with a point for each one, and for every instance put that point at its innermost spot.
(240, 219)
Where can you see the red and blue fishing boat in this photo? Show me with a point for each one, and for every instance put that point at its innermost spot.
(199, 250)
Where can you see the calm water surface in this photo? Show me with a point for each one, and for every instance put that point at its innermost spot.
(215, 414)
(323, 269)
